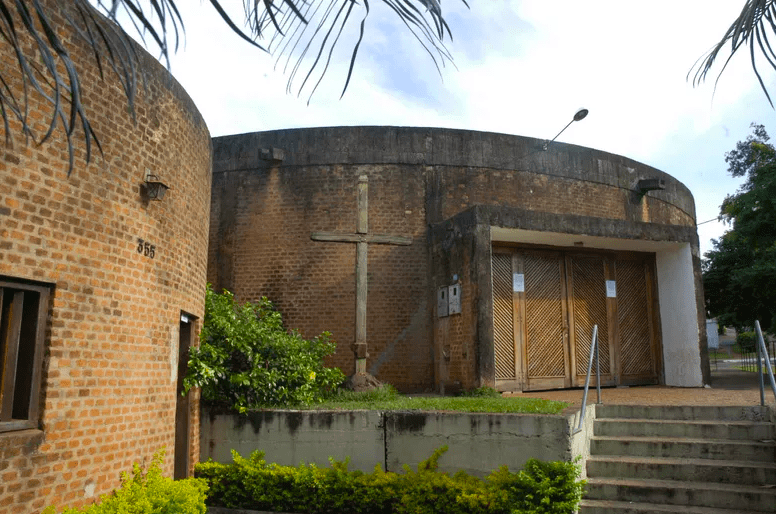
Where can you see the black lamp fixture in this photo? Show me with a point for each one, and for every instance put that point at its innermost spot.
(578, 116)
(155, 189)
(646, 185)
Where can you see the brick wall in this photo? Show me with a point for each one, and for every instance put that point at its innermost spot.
(108, 377)
(263, 213)
(269, 253)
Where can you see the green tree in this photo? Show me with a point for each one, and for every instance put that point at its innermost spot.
(247, 360)
(304, 30)
(739, 273)
(751, 28)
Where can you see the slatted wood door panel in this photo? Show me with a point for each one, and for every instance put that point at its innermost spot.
(637, 355)
(545, 332)
(506, 344)
(589, 306)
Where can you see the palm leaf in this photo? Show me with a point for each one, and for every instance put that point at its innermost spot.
(294, 28)
(757, 18)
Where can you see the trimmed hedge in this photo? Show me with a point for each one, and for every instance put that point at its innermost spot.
(541, 487)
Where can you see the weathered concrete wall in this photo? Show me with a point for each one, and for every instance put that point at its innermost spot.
(291, 437)
(681, 328)
(478, 443)
(460, 253)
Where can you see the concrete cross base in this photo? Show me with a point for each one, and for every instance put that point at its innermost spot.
(362, 382)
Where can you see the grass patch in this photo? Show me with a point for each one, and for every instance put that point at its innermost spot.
(387, 398)
(753, 369)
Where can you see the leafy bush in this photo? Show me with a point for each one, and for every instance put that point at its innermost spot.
(247, 360)
(746, 341)
(149, 493)
(541, 487)
(254, 484)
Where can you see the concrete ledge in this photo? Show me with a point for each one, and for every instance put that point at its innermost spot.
(478, 443)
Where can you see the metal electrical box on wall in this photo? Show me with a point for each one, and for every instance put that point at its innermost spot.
(449, 300)
(442, 302)
(454, 299)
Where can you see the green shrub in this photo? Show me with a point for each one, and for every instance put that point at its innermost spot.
(541, 487)
(149, 493)
(247, 360)
(746, 341)
(252, 483)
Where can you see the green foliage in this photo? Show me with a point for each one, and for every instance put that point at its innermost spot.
(542, 487)
(386, 398)
(746, 341)
(384, 393)
(252, 483)
(484, 399)
(149, 493)
(247, 360)
(739, 273)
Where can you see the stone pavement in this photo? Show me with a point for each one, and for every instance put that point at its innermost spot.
(729, 386)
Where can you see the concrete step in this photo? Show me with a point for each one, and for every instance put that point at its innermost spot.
(693, 494)
(707, 429)
(615, 507)
(697, 413)
(699, 470)
(682, 447)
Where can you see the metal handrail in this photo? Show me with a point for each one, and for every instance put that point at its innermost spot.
(593, 351)
(762, 351)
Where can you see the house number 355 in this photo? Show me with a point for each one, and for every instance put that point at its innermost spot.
(145, 248)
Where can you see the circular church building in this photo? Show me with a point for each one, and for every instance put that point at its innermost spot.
(457, 259)
(102, 283)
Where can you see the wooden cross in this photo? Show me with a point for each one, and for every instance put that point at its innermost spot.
(362, 238)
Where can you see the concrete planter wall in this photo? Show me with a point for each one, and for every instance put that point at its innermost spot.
(478, 443)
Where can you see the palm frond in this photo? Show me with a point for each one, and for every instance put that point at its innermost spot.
(296, 27)
(297, 30)
(751, 28)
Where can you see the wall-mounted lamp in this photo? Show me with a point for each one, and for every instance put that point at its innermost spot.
(578, 116)
(646, 185)
(272, 154)
(155, 189)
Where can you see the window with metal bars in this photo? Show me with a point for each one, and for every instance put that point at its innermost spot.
(23, 316)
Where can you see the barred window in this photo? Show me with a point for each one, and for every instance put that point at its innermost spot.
(23, 315)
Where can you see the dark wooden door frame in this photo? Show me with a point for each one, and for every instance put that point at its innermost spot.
(182, 466)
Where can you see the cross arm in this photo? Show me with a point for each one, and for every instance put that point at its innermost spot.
(334, 237)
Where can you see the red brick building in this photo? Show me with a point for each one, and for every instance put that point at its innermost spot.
(99, 288)
(516, 252)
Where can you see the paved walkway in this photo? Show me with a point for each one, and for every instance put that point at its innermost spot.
(729, 386)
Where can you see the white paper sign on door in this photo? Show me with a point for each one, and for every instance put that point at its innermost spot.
(518, 283)
(611, 289)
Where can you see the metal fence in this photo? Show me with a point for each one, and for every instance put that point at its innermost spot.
(749, 355)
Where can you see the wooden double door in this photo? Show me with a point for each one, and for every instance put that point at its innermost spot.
(545, 304)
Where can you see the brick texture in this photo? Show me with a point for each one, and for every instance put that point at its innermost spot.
(263, 213)
(108, 392)
(269, 253)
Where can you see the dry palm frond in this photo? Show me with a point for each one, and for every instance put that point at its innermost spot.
(311, 29)
(51, 73)
(751, 28)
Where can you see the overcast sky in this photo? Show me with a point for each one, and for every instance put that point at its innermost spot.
(523, 67)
